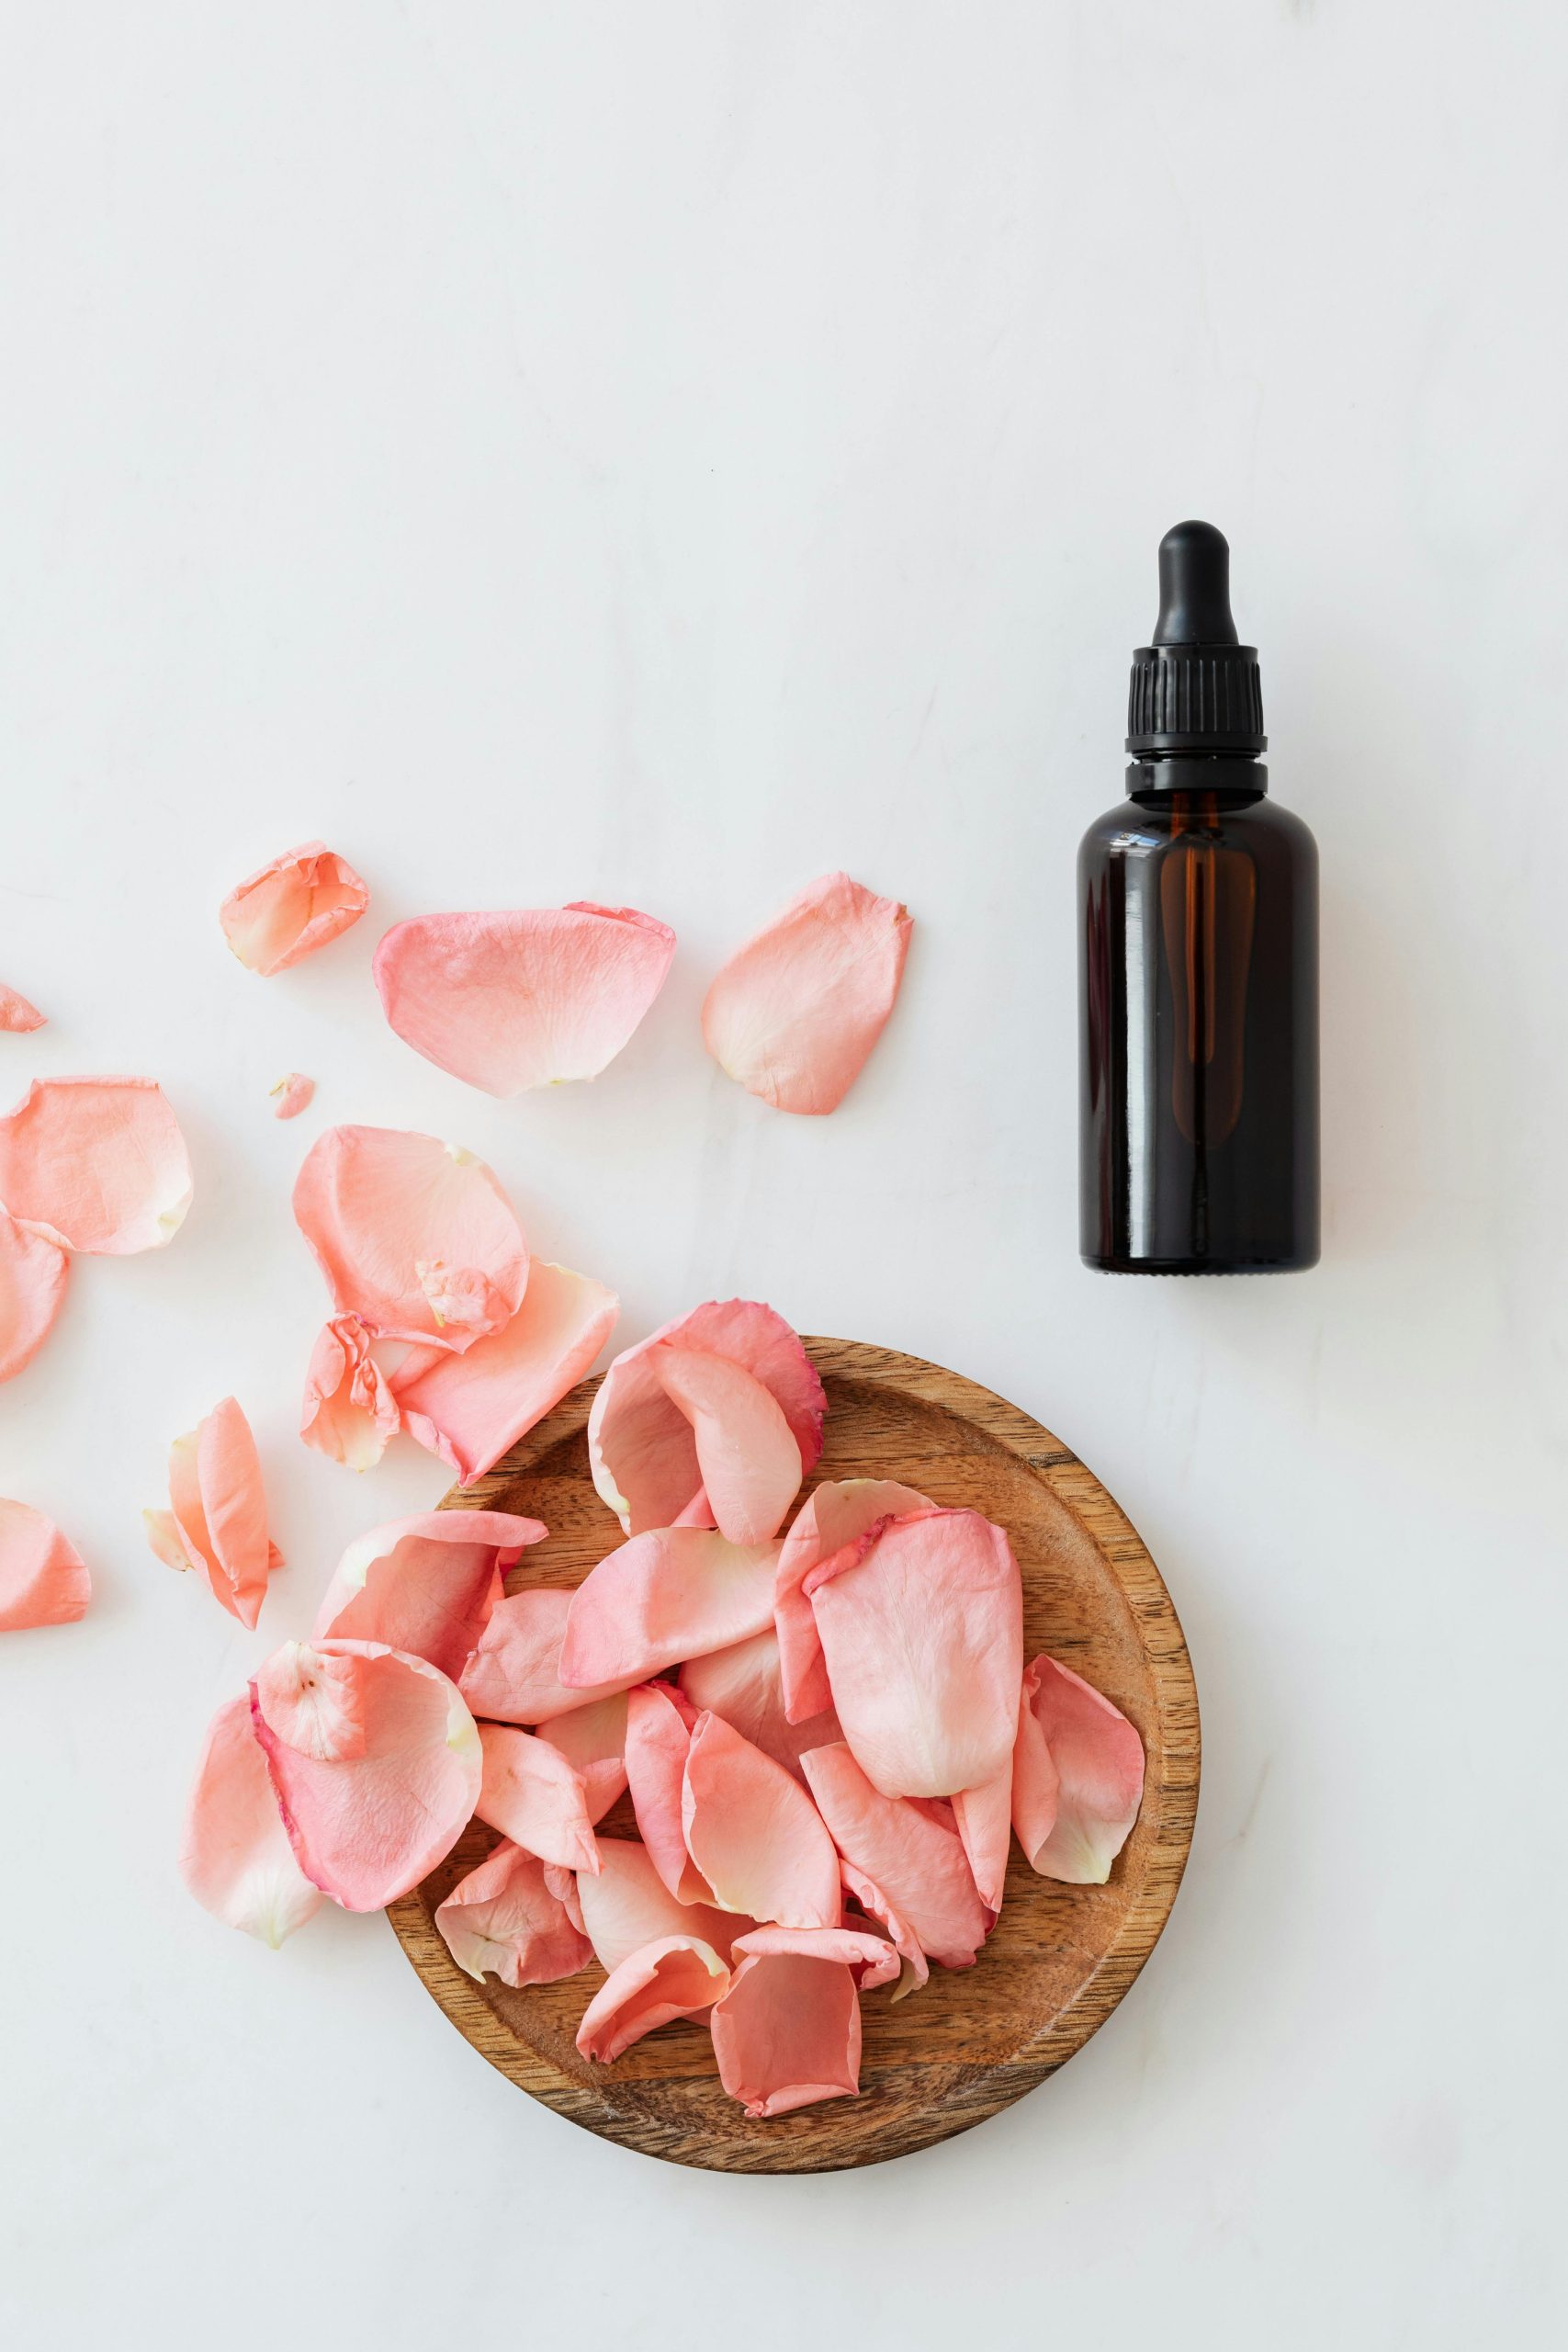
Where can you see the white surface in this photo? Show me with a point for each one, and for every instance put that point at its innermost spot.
(655, 453)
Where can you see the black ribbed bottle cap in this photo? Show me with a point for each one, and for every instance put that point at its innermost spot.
(1194, 689)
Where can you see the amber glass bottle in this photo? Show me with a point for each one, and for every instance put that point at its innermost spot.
(1198, 966)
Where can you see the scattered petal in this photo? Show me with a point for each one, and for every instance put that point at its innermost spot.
(671, 1594)
(839, 1511)
(524, 998)
(676, 1977)
(293, 1094)
(787, 2032)
(912, 1859)
(755, 1834)
(16, 1015)
(594, 1741)
(504, 1920)
(745, 1685)
(163, 1535)
(873, 1959)
(534, 1797)
(748, 1459)
(33, 1269)
(219, 1508)
(628, 1905)
(234, 1855)
(659, 1740)
(349, 1411)
(513, 1676)
(425, 1585)
(794, 1012)
(1077, 1776)
(43, 1579)
(983, 1819)
(98, 1163)
(291, 907)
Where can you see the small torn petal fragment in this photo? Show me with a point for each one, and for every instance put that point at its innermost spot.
(16, 1015)
(910, 1856)
(98, 1163)
(677, 1977)
(872, 1959)
(755, 1834)
(364, 1827)
(641, 1446)
(470, 1408)
(291, 907)
(747, 1455)
(413, 1236)
(795, 1012)
(659, 1740)
(673, 1593)
(594, 1741)
(839, 1511)
(787, 2032)
(1077, 1776)
(504, 1920)
(43, 1579)
(235, 1857)
(745, 1685)
(533, 1795)
(425, 1585)
(628, 1905)
(293, 1094)
(33, 1269)
(219, 1509)
(983, 1819)
(349, 1412)
(529, 998)
(513, 1676)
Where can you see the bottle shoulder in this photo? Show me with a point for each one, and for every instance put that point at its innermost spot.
(1156, 825)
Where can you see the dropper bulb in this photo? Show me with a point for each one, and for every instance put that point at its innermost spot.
(1194, 587)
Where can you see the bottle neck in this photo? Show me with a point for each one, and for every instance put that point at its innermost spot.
(1226, 772)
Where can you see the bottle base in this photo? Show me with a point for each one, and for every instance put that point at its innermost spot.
(1099, 1264)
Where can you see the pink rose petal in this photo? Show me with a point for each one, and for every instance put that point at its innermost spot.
(365, 1827)
(503, 1920)
(413, 1236)
(514, 1676)
(677, 1977)
(292, 907)
(658, 1741)
(98, 1163)
(234, 1855)
(787, 2032)
(755, 1834)
(33, 1269)
(594, 1741)
(671, 1594)
(914, 1964)
(983, 1819)
(293, 1094)
(1077, 1776)
(349, 1412)
(533, 1795)
(44, 1579)
(315, 1701)
(427, 1585)
(16, 1015)
(747, 1455)
(628, 1905)
(910, 1857)
(524, 998)
(871, 1959)
(839, 1511)
(471, 1408)
(219, 1512)
(794, 1012)
(745, 1685)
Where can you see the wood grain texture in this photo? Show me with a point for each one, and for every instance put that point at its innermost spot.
(1061, 1958)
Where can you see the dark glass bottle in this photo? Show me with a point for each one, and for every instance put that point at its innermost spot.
(1198, 966)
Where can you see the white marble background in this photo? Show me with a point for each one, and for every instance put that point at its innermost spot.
(655, 452)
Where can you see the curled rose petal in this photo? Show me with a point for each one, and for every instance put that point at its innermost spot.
(983, 1819)
(1077, 1776)
(839, 1511)
(98, 1163)
(787, 2032)
(513, 1676)
(659, 1740)
(677, 1977)
(533, 1795)
(43, 1579)
(413, 1236)
(33, 1269)
(288, 908)
(219, 1512)
(234, 1855)
(794, 1012)
(748, 1459)
(910, 1857)
(469, 1409)
(16, 1015)
(641, 1446)
(914, 1964)
(755, 1834)
(349, 1412)
(628, 1905)
(315, 1701)
(594, 1741)
(293, 1094)
(873, 1959)
(366, 1826)
(745, 1685)
(427, 1585)
(504, 1920)
(524, 998)
(671, 1594)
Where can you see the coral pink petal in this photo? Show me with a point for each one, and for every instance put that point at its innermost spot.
(677, 1977)
(413, 1236)
(33, 1271)
(658, 1741)
(524, 999)
(641, 1444)
(16, 1015)
(234, 1855)
(747, 1455)
(99, 1164)
(43, 1579)
(915, 1966)
(292, 907)
(755, 1834)
(921, 1626)
(470, 1408)
(594, 1741)
(673, 1593)
(219, 1506)
(514, 1676)
(505, 1920)
(745, 1685)
(349, 1412)
(293, 1094)
(427, 1585)
(794, 1012)
(839, 1511)
(787, 2032)
(366, 1826)
(628, 1905)
(314, 1700)
(1074, 1809)
(910, 1857)
(533, 1795)
(874, 1959)
(983, 1819)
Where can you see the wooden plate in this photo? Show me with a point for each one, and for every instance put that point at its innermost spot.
(1061, 1958)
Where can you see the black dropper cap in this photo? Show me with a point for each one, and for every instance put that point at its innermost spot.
(1194, 689)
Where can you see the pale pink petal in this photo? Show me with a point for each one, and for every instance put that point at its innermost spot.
(745, 1685)
(533, 1795)
(293, 1094)
(99, 1164)
(563, 1885)
(504, 1920)
(315, 1701)
(659, 1740)
(594, 1741)
(427, 1585)
(640, 1443)
(911, 1858)
(983, 1819)
(163, 1530)
(677, 1977)
(787, 2032)
(16, 1015)
(914, 1964)
(349, 1412)
(628, 1905)
(755, 1834)
(33, 1269)
(234, 1855)
(839, 1511)
(43, 1579)
(1077, 1776)
(471, 1408)
(746, 1456)
(873, 1959)
(794, 1012)
(215, 1489)
(673, 1593)
(292, 907)
(369, 1827)
(513, 1676)
(415, 1237)
(524, 998)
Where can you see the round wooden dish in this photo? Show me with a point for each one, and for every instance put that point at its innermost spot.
(1061, 1958)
